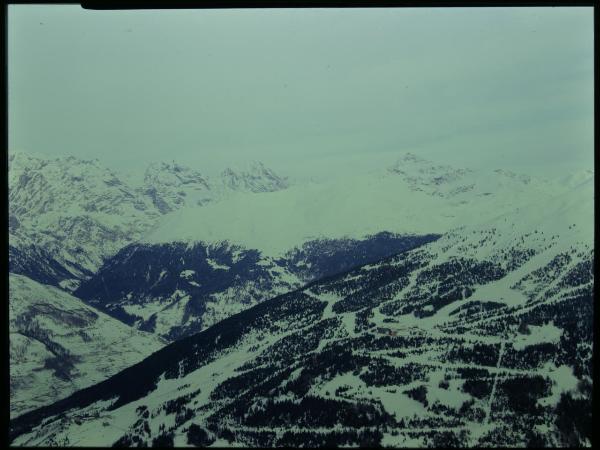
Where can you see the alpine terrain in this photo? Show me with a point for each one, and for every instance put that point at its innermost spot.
(421, 305)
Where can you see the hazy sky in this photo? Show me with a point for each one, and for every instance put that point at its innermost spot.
(302, 89)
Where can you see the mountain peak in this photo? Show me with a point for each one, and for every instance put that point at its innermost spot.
(411, 157)
(252, 176)
(172, 173)
(419, 172)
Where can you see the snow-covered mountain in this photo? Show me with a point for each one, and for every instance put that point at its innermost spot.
(28, 258)
(465, 184)
(81, 212)
(414, 196)
(171, 186)
(77, 210)
(482, 337)
(176, 290)
(59, 345)
(66, 217)
(74, 221)
(252, 177)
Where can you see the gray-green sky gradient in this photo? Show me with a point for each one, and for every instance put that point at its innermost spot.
(301, 89)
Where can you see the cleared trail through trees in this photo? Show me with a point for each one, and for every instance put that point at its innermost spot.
(493, 393)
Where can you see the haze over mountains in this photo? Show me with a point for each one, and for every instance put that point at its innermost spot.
(398, 307)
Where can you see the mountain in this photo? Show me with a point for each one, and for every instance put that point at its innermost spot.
(414, 196)
(177, 289)
(81, 212)
(77, 210)
(32, 260)
(252, 177)
(67, 216)
(59, 345)
(481, 338)
(265, 236)
(171, 186)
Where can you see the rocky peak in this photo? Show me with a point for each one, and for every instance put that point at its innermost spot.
(253, 177)
(420, 173)
(173, 174)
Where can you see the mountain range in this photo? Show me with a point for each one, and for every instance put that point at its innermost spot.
(403, 307)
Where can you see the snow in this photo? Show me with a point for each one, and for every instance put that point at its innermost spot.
(547, 333)
(68, 204)
(409, 200)
(215, 265)
(345, 208)
(144, 310)
(187, 273)
(69, 285)
(349, 321)
(100, 344)
(453, 396)
(563, 380)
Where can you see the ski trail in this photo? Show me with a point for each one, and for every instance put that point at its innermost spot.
(105, 287)
(489, 406)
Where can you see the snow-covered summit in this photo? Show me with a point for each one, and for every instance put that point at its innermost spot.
(462, 184)
(173, 174)
(252, 176)
(171, 185)
(83, 212)
(421, 174)
(79, 210)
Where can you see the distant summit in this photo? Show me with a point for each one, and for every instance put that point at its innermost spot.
(253, 177)
(419, 172)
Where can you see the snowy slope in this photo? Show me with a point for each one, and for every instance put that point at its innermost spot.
(482, 338)
(28, 258)
(59, 345)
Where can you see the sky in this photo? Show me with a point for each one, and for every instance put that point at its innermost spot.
(305, 91)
